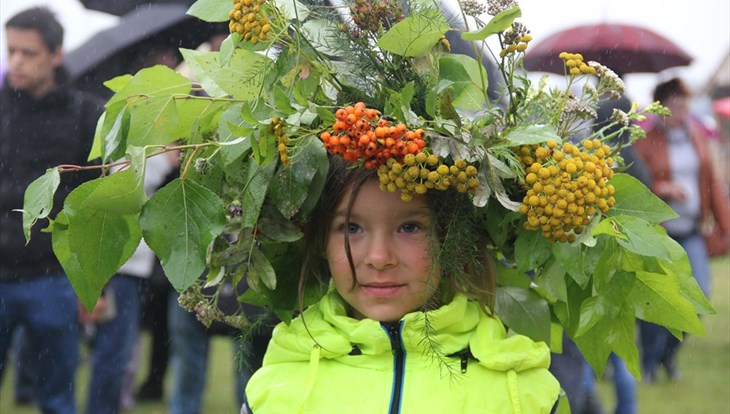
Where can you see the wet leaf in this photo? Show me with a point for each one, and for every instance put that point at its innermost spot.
(179, 223)
(497, 24)
(525, 312)
(415, 35)
(38, 199)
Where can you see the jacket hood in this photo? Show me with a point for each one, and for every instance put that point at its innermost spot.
(458, 326)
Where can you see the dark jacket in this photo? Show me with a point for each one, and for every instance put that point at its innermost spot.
(36, 135)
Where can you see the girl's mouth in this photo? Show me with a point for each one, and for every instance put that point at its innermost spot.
(382, 290)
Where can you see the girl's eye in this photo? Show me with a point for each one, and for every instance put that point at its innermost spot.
(410, 227)
(351, 228)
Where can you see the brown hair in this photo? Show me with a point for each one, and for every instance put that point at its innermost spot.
(674, 87)
(466, 265)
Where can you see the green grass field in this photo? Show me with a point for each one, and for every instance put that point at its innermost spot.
(703, 361)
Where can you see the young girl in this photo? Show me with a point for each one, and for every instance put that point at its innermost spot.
(406, 326)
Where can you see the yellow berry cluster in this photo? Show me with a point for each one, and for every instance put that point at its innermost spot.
(520, 46)
(575, 65)
(420, 172)
(566, 186)
(247, 20)
(277, 128)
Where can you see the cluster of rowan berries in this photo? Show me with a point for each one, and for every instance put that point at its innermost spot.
(359, 135)
(247, 19)
(421, 172)
(566, 186)
(277, 128)
(575, 65)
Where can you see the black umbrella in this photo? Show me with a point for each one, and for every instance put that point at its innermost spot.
(122, 7)
(128, 46)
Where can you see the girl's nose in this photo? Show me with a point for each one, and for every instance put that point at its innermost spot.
(380, 253)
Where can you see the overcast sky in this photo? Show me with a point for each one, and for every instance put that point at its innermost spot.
(700, 27)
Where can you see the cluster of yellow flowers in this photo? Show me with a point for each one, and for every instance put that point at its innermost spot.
(420, 172)
(566, 186)
(247, 20)
(516, 39)
(277, 128)
(575, 65)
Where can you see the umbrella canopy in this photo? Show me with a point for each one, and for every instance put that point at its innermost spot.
(122, 7)
(621, 47)
(114, 51)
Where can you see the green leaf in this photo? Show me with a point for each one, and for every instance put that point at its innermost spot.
(415, 35)
(552, 279)
(572, 259)
(291, 185)
(273, 226)
(315, 149)
(525, 312)
(611, 334)
(258, 179)
(179, 223)
(658, 300)
(92, 245)
(531, 250)
(510, 276)
(467, 79)
(210, 10)
(227, 47)
(679, 265)
(38, 199)
(118, 83)
(242, 78)
(530, 134)
(292, 10)
(114, 131)
(154, 122)
(634, 199)
(260, 269)
(121, 193)
(230, 124)
(608, 302)
(498, 24)
(326, 115)
(282, 101)
(151, 82)
(198, 116)
(201, 65)
(323, 35)
(95, 151)
(638, 236)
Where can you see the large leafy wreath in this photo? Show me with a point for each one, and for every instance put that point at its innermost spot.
(579, 245)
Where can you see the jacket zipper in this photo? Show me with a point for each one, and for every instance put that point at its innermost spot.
(399, 365)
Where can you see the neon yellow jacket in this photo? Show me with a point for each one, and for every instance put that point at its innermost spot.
(353, 368)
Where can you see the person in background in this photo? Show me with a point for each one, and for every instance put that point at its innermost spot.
(43, 123)
(676, 153)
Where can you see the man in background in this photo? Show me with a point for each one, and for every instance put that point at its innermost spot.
(43, 123)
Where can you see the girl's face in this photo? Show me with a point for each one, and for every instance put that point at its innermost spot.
(390, 251)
